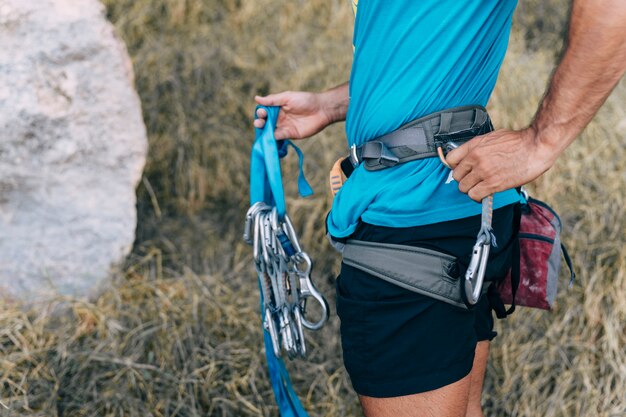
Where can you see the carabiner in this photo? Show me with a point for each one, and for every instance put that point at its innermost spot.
(475, 274)
(442, 157)
(297, 315)
(307, 290)
(285, 332)
(354, 158)
(270, 326)
(291, 232)
(257, 242)
(251, 218)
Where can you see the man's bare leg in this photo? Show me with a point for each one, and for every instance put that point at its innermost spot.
(448, 401)
(460, 399)
(477, 377)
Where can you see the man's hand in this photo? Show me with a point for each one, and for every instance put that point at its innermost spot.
(499, 161)
(304, 114)
(593, 63)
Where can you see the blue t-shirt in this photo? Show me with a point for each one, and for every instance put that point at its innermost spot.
(412, 58)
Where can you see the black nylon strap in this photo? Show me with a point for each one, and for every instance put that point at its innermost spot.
(494, 297)
(568, 261)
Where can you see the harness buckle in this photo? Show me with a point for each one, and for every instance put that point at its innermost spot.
(387, 158)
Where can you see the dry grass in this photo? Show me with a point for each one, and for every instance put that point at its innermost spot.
(178, 334)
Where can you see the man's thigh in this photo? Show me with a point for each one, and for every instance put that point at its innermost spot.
(459, 399)
(448, 401)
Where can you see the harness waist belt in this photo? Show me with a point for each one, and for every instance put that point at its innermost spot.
(421, 138)
(420, 270)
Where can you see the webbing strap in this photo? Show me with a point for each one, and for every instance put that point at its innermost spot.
(420, 138)
(266, 186)
(266, 183)
(424, 271)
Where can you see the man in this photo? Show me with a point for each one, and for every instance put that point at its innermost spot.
(407, 354)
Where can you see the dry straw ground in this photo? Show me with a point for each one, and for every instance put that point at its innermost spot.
(178, 333)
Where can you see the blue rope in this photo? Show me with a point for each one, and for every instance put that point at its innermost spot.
(266, 185)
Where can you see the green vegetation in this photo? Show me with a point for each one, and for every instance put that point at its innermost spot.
(178, 333)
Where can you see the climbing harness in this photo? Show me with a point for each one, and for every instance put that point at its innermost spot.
(283, 268)
(433, 135)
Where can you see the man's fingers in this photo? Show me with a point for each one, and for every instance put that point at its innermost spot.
(261, 115)
(259, 123)
(283, 133)
(272, 99)
(456, 155)
(280, 133)
(460, 171)
(469, 181)
(479, 191)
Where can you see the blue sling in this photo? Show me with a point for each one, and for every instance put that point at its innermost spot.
(266, 186)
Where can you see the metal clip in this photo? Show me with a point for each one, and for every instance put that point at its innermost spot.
(252, 213)
(475, 274)
(291, 232)
(442, 156)
(307, 290)
(299, 331)
(354, 158)
(270, 326)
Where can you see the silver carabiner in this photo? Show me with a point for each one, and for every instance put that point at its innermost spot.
(353, 157)
(307, 290)
(257, 242)
(285, 331)
(270, 326)
(297, 316)
(266, 239)
(251, 218)
(291, 233)
(449, 147)
(475, 274)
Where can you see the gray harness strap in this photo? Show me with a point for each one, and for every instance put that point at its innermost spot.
(420, 138)
(420, 270)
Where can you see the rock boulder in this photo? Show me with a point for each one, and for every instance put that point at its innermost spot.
(72, 148)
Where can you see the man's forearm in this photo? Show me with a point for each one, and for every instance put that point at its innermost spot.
(335, 102)
(593, 63)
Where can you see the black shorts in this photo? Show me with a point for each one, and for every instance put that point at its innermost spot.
(397, 342)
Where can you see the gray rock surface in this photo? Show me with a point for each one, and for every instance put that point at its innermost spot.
(72, 148)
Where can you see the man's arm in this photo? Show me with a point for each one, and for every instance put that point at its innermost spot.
(593, 63)
(304, 114)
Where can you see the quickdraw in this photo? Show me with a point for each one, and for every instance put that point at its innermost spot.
(284, 271)
(475, 273)
(283, 268)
